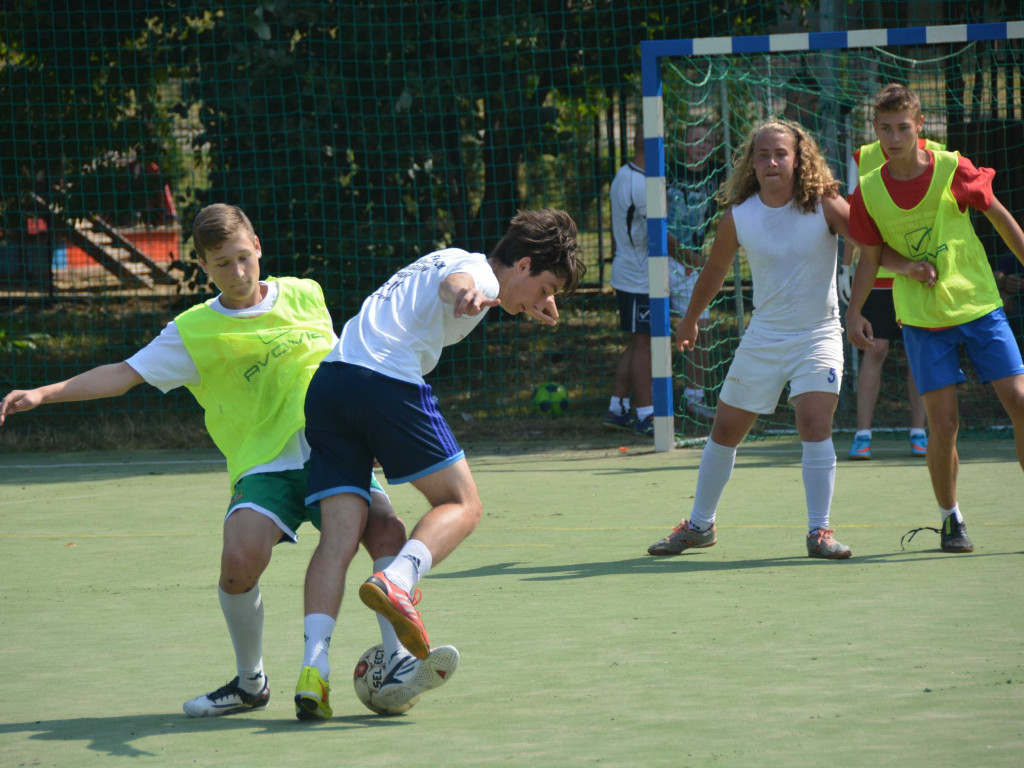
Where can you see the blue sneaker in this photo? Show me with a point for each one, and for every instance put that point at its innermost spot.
(645, 427)
(861, 449)
(919, 445)
(623, 420)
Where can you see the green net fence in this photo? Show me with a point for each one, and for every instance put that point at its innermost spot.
(971, 95)
(360, 135)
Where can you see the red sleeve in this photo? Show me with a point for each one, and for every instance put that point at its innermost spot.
(972, 187)
(862, 226)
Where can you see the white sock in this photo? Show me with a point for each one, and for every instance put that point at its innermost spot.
(716, 463)
(393, 649)
(318, 628)
(411, 565)
(916, 432)
(863, 433)
(643, 411)
(954, 511)
(618, 404)
(694, 395)
(819, 470)
(244, 616)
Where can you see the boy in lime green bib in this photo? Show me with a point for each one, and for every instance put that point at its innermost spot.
(944, 292)
(247, 356)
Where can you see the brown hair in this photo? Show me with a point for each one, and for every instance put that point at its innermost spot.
(548, 237)
(812, 178)
(897, 98)
(216, 224)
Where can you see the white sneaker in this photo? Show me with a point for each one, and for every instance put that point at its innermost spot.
(229, 699)
(411, 676)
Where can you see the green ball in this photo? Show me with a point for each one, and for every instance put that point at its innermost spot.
(550, 399)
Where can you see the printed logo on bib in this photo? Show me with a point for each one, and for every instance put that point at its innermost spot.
(919, 244)
(282, 348)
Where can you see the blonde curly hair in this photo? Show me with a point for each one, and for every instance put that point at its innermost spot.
(812, 178)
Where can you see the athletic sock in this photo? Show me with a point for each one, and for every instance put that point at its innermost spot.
(244, 616)
(411, 565)
(819, 471)
(694, 395)
(643, 411)
(618, 405)
(955, 510)
(318, 628)
(866, 433)
(716, 463)
(393, 648)
(915, 432)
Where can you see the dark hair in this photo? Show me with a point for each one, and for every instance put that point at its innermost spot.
(897, 98)
(216, 224)
(548, 237)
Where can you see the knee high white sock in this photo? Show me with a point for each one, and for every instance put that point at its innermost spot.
(410, 565)
(716, 464)
(819, 471)
(244, 616)
(318, 628)
(392, 647)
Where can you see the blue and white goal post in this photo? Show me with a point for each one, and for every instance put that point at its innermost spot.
(838, 54)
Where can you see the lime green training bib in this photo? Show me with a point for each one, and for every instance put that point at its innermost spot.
(254, 371)
(871, 157)
(935, 230)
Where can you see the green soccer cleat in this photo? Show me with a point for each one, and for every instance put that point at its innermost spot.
(311, 696)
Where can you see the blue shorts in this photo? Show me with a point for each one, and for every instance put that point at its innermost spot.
(354, 415)
(634, 312)
(934, 355)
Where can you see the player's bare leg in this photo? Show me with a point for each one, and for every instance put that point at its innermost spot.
(1011, 394)
(943, 459)
(454, 514)
(249, 539)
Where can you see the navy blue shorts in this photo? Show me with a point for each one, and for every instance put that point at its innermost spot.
(354, 415)
(634, 312)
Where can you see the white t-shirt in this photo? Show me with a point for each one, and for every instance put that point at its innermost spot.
(629, 228)
(403, 325)
(166, 364)
(792, 258)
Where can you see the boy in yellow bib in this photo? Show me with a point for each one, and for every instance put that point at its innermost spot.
(247, 356)
(917, 203)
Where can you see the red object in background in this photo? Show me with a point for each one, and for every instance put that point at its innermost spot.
(162, 245)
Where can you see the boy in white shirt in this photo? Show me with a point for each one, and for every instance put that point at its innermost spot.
(368, 399)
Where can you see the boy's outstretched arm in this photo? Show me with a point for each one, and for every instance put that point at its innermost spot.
(105, 381)
(1007, 227)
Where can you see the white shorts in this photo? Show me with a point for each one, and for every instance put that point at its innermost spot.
(810, 361)
(680, 286)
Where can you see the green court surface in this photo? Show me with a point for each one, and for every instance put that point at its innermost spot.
(577, 648)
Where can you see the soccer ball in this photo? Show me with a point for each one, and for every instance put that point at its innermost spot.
(550, 399)
(367, 677)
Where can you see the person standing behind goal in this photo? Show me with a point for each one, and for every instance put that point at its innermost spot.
(785, 210)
